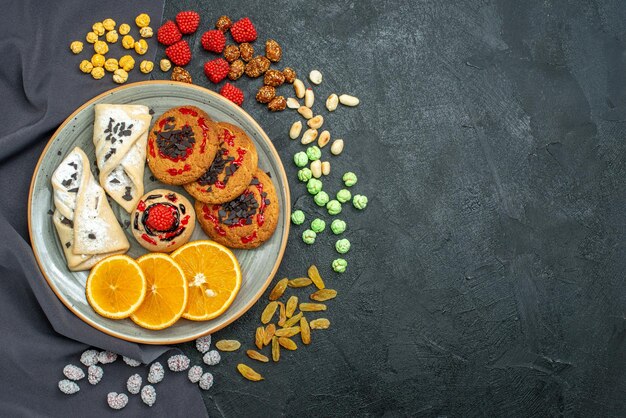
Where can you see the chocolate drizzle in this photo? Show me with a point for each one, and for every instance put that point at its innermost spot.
(220, 164)
(175, 143)
(239, 211)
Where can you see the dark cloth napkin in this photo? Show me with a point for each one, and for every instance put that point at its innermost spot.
(40, 85)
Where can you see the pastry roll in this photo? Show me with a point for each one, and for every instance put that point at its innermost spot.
(85, 223)
(120, 134)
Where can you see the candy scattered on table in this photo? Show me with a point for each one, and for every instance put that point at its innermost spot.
(178, 363)
(106, 357)
(131, 362)
(206, 381)
(117, 400)
(94, 374)
(212, 358)
(73, 372)
(203, 344)
(133, 384)
(68, 387)
(194, 374)
(89, 357)
(156, 373)
(148, 395)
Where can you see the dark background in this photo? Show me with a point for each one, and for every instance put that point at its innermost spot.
(487, 273)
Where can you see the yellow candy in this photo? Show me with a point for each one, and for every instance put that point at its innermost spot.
(76, 47)
(97, 73)
(109, 24)
(124, 29)
(111, 65)
(120, 76)
(165, 65)
(97, 60)
(146, 32)
(91, 37)
(127, 63)
(142, 20)
(98, 28)
(146, 66)
(141, 47)
(85, 66)
(111, 36)
(128, 42)
(101, 47)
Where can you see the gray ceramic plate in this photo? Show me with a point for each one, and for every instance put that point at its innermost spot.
(258, 266)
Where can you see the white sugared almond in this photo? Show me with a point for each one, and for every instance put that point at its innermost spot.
(298, 87)
(337, 147)
(347, 100)
(309, 97)
(292, 103)
(295, 130)
(316, 169)
(315, 76)
(309, 136)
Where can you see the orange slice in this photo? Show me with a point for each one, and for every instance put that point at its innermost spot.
(116, 287)
(166, 295)
(213, 277)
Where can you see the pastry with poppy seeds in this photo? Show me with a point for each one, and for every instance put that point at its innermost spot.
(181, 145)
(232, 169)
(246, 221)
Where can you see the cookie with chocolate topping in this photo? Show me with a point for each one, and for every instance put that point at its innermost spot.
(182, 145)
(232, 169)
(162, 221)
(246, 221)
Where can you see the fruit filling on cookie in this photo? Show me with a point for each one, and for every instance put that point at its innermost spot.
(223, 163)
(161, 221)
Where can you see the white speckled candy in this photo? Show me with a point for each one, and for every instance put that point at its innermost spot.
(68, 387)
(148, 395)
(156, 373)
(117, 400)
(73, 372)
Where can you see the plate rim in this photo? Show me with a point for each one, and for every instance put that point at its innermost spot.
(273, 152)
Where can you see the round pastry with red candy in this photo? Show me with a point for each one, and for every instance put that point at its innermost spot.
(163, 220)
(245, 222)
(231, 170)
(181, 145)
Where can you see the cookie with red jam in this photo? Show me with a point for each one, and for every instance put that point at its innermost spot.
(163, 220)
(182, 145)
(246, 221)
(232, 169)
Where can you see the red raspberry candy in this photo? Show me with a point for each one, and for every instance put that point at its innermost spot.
(168, 33)
(188, 21)
(179, 53)
(214, 41)
(216, 70)
(243, 31)
(232, 93)
(161, 217)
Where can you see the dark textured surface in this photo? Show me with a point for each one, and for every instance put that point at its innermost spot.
(487, 273)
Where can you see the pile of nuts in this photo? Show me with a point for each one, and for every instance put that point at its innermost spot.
(98, 63)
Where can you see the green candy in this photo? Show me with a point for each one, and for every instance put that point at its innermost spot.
(321, 198)
(349, 179)
(333, 207)
(344, 195)
(301, 159)
(339, 265)
(314, 153)
(297, 217)
(305, 175)
(338, 226)
(309, 236)
(314, 186)
(359, 201)
(342, 246)
(318, 225)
